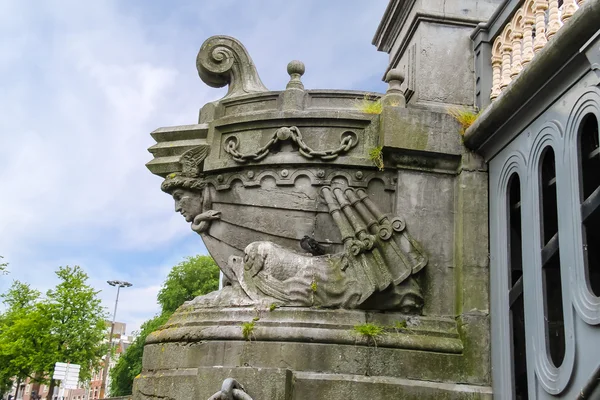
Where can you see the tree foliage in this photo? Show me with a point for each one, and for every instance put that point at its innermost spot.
(193, 277)
(20, 342)
(3, 267)
(67, 326)
(77, 322)
(129, 364)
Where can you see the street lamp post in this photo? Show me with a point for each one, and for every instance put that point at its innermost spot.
(119, 285)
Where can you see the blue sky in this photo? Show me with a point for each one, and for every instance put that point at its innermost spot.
(82, 84)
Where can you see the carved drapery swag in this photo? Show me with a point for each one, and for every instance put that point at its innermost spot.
(347, 142)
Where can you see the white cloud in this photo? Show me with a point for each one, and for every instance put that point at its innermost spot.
(83, 86)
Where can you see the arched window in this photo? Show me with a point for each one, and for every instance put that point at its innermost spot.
(552, 283)
(515, 297)
(589, 179)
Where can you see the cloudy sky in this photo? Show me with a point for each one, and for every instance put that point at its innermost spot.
(82, 84)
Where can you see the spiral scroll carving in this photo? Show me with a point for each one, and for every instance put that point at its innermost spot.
(223, 60)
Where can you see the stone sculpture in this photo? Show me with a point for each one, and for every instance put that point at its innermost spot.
(323, 252)
(371, 259)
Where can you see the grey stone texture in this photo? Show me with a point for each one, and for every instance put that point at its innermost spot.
(292, 351)
(429, 41)
(282, 165)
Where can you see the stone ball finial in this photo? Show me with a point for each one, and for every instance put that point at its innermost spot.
(295, 69)
(394, 75)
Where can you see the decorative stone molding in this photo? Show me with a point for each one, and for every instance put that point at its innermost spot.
(326, 326)
(349, 139)
(223, 60)
(524, 36)
(317, 176)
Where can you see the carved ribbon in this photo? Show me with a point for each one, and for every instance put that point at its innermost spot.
(349, 140)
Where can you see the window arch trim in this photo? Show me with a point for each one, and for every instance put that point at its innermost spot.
(553, 379)
(499, 274)
(585, 302)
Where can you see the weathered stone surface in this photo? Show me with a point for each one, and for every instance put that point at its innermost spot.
(373, 269)
(357, 387)
(419, 130)
(223, 60)
(193, 323)
(429, 41)
(263, 171)
(259, 383)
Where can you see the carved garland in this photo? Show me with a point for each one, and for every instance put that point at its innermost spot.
(348, 141)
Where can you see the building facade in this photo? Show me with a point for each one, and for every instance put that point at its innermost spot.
(538, 75)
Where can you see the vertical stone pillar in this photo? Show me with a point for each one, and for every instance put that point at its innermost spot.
(428, 41)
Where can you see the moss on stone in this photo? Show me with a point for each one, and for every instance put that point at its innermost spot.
(248, 329)
(369, 331)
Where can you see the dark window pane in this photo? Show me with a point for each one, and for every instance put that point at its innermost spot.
(591, 230)
(519, 355)
(553, 311)
(517, 314)
(589, 177)
(514, 212)
(549, 212)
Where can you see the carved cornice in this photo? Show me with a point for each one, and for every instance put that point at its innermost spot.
(422, 333)
(288, 176)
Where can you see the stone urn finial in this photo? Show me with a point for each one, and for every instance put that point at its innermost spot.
(394, 95)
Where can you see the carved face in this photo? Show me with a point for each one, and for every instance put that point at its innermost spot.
(188, 203)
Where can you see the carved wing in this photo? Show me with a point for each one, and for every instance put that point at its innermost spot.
(191, 160)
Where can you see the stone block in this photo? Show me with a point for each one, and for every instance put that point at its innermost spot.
(420, 130)
(355, 387)
(259, 383)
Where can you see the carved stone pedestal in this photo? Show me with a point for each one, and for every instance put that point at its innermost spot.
(316, 212)
(300, 353)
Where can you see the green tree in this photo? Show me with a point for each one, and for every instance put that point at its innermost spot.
(129, 364)
(193, 277)
(76, 324)
(21, 334)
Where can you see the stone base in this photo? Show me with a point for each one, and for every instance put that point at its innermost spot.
(283, 384)
(299, 353)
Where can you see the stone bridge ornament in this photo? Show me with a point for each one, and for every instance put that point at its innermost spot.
(258, 174)
(253, 231)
